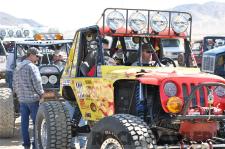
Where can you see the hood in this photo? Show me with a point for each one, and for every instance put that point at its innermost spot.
(215, 51)
(22, 64)
(155, 75)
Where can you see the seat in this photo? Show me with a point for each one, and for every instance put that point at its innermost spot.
(132, 57)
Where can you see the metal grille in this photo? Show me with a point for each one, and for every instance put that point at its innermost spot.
(200, 96)
(208, 63)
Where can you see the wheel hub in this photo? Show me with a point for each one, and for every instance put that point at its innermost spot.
(111, 143)
(44, 135)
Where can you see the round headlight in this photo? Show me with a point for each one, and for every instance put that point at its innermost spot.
(26, 33)
(174, 104)
(10, 33)
(115, 20)
(158, 22)
(18, 33)
(179, 23)
(53, 79)
(137, 21)
(2, 33)
(170, 89)
(44, 79)
(220, 91)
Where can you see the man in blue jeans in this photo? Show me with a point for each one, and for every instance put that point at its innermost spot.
(27, 85)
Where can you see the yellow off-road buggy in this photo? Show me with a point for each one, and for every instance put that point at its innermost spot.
(129, 107)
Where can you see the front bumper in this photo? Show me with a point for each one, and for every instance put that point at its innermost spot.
(194, 146)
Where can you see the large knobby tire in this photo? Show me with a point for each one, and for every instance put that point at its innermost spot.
(53, 126)
(121, 131)
(7, 115)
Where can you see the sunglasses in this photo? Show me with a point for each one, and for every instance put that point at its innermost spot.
(148, 52)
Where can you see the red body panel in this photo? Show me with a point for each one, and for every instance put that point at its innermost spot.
(160, 78)
(198, 131)
(123, 32)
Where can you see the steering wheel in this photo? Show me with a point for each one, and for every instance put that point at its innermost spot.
(167, 62)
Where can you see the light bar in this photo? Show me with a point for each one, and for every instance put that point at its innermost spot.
(137, 21)
(115, 20)
(48, 36)
(179, 23)
(158, 23)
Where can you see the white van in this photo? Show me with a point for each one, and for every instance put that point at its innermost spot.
(172, 48)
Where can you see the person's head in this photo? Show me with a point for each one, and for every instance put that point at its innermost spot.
(33, 54)
(146, 52)
(105, 44)
(57, 56)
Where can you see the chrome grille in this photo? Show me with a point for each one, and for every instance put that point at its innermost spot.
(208, 63)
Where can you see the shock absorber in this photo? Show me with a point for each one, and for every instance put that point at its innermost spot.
(76, 116)
(140, 107)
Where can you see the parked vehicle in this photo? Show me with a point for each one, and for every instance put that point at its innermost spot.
(213, 61)
(50, 45)
(172, 48)
(208, 42)
(129, 106)
(6, 99)
(51, 72)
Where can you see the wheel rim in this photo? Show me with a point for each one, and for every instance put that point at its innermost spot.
(44, 135)
(111, 143)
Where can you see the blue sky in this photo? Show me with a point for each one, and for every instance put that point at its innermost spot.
(71, 14)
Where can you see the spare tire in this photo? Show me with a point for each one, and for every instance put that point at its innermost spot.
(7, 114)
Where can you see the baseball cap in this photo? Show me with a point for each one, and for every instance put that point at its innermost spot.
(146, 47)
(34, 51)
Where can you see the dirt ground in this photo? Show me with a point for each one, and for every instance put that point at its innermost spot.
(15, 142)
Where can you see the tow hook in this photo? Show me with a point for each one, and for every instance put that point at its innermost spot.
(210, 101)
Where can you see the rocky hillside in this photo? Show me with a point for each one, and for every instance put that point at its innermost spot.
(208, 18)
(6, 19)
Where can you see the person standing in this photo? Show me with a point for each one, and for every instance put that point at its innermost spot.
(10, 64)
(28, 87)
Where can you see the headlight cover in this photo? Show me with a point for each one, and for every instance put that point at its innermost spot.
(26, 33)
(53, 79)
(18, 33)
(158, 23)
(10, 33)
(179, 24)
(137, 21)
(115, 20)
(170, 89)
(220, 91)
(44, 79)
(2, 32)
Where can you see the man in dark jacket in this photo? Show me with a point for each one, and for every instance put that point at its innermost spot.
(27, 85)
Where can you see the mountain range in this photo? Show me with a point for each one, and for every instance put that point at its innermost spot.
(208, 18)
(7, 19)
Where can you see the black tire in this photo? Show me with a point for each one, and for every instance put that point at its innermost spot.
(128, 131)
(54, 117)
(7, 114)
